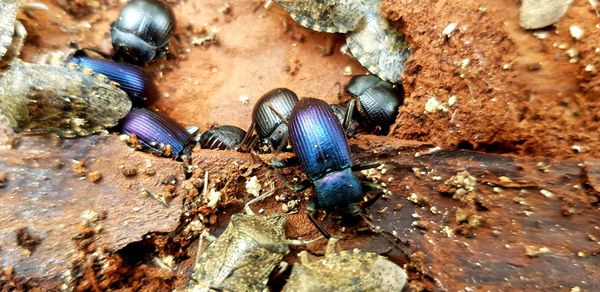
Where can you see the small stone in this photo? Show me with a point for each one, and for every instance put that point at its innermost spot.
(576, 32)
(129, 171)
(546, 193)
(244, 99)
(433, 105)
(532, 251)
(94, 176)
(348, 71)
(452, 100)
(541, 34)
(541, 13)
(449, 29)
(253, 186)
(590, 68)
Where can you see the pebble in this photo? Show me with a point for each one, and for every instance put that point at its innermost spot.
(541, 13)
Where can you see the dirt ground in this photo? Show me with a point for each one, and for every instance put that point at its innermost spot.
(526, 102)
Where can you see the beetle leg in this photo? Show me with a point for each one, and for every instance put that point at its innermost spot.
(370, 188)
(303, 185)
(277, 164)
(257, 199)
(369, 165)
(83, 52)
(303, 242)
(311, 210)
(247, 138)
(378, 163)
(348, 116)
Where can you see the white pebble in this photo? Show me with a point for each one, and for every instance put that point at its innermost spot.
(447, 32)
(576, 31)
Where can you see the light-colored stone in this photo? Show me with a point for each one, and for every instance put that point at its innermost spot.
(541, 13)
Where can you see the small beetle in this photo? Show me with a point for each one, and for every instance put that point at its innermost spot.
(223, 137)
(377, 101)
(269, 117)
(131, 79)
(157, 133)
(142, 31)
(320, 145)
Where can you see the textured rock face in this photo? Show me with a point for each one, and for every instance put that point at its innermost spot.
(88, 188)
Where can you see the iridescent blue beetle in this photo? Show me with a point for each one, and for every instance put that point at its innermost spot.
(319, 142)
(156, 133)
(133, 80)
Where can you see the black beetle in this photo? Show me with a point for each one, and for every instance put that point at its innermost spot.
(269, 118)
(222, 137)
(319, 142)
(133, 80)
(158, 133)
(376, 102)
(142, 31)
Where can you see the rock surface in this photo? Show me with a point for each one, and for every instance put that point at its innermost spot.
(53, 192)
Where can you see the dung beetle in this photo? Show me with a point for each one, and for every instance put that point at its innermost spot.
(318, 140)
(376, 102)
(133, 80)
(269, 118)
(157, 133)
(142, 31)
(224, 137)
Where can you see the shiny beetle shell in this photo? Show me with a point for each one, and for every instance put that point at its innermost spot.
(377, 101)
(242, 258)
(319, 143)
(346, 271)
(378, 108)
(8, 10)
(131, 79)
(142, 30)
(59, 100)
(223, 137)
(266, 114)
(156, 132)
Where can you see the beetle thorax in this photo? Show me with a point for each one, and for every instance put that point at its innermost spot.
(338, 189)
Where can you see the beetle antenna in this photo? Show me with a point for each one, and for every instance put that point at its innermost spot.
(319, 227)
(280, 115)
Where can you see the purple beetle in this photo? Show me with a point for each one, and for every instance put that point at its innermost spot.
(157, 133)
